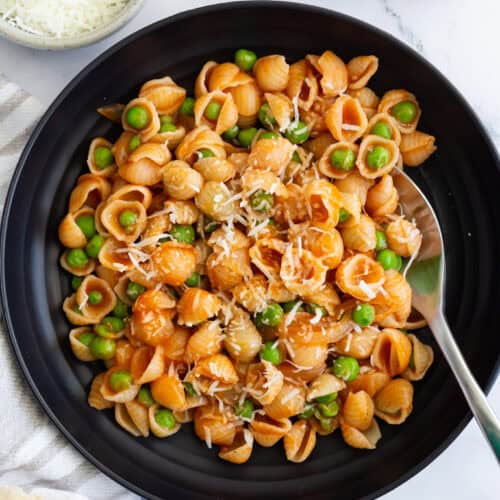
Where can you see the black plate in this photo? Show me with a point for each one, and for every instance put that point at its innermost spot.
(462, 180)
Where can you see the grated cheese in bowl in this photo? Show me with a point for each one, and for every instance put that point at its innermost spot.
(59, 19)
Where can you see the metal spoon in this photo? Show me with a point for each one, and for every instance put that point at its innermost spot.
(426, 276)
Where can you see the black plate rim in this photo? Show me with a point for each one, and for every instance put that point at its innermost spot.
(4, 310)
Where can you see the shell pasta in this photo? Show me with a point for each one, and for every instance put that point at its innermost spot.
(238, 258)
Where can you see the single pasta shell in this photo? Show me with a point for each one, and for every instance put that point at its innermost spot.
(302, 84)
(110, 219)
(358, 345)
(111, 258)
(416, 147)
(205, 341)
(368, 143)
(228, 114)
(281, 109)
(133, 192)
(289, 402)
(360, 70)
(227, 75)
(166, 96)
(346, 119)
(197, 305)
(390, 121)
(358, 409)
(95, 399)
(121, 396)
(240, 450)
(81, 351)
(421, 360)
(147, 364)
(154, 120)
(217, 367)
(95, 311)
(201, 82)
(242, 341)
(214, 169)
(175, 346)
(271, 73)
(90, 190)
(268, 431)
(214, 427)
(393, 97)
(123, 420)
(299, 442)
(168, 391)
(139, 416)
(144, 164)
(325, 384)
(121, 149)
(326, 167)
(202, 137)
(355, 184)
(247, 98)
(356, 438)
(371, 382)
(76, 318)
(361, 237)
(394, 402)
(156, 428)
(77, 271)
(335, 78)
(264, 382)
(392, 352)
(368, 99)
(70, 234)
(99, 142)
(383, 198)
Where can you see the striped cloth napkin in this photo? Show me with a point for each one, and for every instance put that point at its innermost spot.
(34, 456)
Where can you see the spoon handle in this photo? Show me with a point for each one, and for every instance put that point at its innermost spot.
(486, 419)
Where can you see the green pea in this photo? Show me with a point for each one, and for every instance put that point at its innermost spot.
(262, 201)
(87, 225)
(296, 157)
(134, 290)
(377, 157)
(102, 348)
(329, 410)
(327, 423)
(380, 241)
(95, 297)
(342, 159)
(103, 157)
(268, 135)
(363, 314)
(382, 130)
(343, 215)
(166, 119)
(288, 306)
(134, 143)
(245, 59)
(121, 309)
(209, 225)
(231, 133)
(312, 308)
(183, 233)
(245, 410)
(76, 281)
(120, 380)
(246, 136)
(76, 257)
(137, 117)
(165, 418)
(127, 218)
(145, 397)
(404, 111)
(194, 280)
(94, 245)
(168, 127)
(205, 153)
(346, 368)
(187, 107)
(307, 412)
(266, 117)
(86, 338)
(271, 353)
(103, 331)
(77, 309)
(270, 316)
(189, 389)
(327, 398)
(113, 323)
(389, 259)
(212, 110)
(297, 133)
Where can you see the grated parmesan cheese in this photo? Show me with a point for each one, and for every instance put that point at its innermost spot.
(60, 18)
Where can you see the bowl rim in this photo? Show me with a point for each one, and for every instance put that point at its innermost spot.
(17, 35)
(305, 8)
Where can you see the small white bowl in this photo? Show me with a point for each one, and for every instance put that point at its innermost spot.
(23, 37)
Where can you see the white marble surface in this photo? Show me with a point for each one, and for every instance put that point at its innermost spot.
(460, 37)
